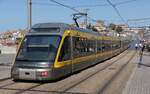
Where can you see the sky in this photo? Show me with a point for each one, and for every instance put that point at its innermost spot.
(13, 13)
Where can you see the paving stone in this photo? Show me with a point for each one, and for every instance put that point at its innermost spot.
(139, 82)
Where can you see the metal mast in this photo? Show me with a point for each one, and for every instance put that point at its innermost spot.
(29, 14)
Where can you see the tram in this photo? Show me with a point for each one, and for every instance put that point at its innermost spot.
(53, 50)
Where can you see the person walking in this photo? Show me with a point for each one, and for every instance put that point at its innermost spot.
(136, 46)
(142, 47)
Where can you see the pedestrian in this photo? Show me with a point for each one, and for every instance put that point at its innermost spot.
(142, 47)
(136, 46)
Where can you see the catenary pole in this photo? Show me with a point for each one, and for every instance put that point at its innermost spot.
(29, 14)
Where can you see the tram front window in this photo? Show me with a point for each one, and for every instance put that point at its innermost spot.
(38, 48)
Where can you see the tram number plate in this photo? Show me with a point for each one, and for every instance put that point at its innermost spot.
(27, 74)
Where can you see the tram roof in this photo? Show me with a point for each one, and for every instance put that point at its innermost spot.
(50, 25)
(62, 27)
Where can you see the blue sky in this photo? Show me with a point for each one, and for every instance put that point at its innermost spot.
(14, 12)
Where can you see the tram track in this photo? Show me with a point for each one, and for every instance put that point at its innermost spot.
(11, 86)
(23, 90)
(3, 79)
(71, 85)
(100, 91)
(68, 86)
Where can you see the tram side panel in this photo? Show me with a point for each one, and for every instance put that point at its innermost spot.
(83, 52)
(63, 61)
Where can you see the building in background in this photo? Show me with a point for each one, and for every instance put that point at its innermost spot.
(100, 26)
(10, 38)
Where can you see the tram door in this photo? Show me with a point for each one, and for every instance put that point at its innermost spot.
(71, 55)
(65, 56)
(75, 52)
(68, 53)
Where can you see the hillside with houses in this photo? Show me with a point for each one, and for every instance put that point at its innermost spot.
(12, 37)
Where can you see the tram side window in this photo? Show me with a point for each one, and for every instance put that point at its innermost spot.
(65, 53)
(76, 47)
(114, 45)
(91, 46)
(118, 44)
(99, 46)
(104, 45)
(83, 47)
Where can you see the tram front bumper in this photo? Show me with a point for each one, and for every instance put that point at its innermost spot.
(31, 74)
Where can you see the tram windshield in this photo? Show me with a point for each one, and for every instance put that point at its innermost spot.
(38, 47)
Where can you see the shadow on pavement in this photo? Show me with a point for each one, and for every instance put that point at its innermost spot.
(140, 64)
(146, 54)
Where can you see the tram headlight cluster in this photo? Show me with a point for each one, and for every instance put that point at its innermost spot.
(44, 73)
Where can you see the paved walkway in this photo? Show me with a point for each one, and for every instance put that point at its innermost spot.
(4, 72)
(6, 59)
(7, 50)
(139, 82)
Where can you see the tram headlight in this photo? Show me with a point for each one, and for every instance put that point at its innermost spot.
(44, 73)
